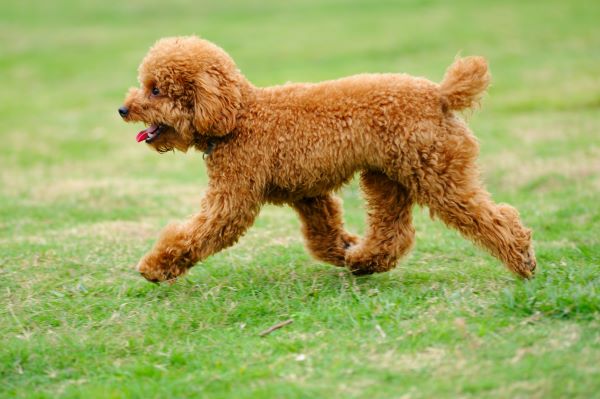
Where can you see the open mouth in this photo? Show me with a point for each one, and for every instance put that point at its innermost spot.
(150, 133)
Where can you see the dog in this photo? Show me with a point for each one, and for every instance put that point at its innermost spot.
(296, 144)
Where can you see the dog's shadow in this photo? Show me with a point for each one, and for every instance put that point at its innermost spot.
(303, 279)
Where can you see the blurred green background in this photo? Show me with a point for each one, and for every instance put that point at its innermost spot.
(81, 201)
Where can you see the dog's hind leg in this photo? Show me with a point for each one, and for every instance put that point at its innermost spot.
(323, 228)
(459, 199)
(390, 233)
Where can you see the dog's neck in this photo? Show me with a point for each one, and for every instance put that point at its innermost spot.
(205, 143)
(212, 143)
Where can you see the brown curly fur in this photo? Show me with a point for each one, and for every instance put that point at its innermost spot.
(297, 143)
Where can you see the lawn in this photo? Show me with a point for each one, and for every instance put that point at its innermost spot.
(81, 202)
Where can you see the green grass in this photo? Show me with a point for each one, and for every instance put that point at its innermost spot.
(80, 202)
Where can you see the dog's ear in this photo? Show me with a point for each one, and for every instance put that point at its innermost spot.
(217, 99)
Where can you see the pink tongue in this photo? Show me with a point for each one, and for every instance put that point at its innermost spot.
(141, 136)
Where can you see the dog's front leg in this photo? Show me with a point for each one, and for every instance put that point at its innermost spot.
(225, 215)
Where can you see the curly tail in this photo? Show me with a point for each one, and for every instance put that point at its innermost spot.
(464, 83)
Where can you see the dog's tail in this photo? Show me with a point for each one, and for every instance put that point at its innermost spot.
(464, 83)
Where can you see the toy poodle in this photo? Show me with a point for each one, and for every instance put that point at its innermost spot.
(298, 143)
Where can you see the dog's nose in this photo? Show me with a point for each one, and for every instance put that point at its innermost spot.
(123, 111)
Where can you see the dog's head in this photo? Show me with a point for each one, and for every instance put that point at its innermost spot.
(188, 88)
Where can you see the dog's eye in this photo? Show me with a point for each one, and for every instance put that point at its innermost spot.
(155, 91)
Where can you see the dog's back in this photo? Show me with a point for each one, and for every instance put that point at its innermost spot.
(321, 133)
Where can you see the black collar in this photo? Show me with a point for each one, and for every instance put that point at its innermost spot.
(211, 143)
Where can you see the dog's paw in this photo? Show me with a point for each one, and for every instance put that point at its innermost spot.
(529, 262)
(362, 262)
(155, 271)
(524, 264)
(149, 272)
